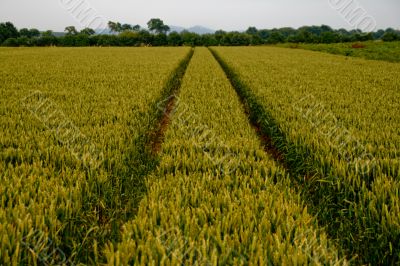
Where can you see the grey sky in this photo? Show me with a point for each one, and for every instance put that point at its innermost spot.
(215, 14)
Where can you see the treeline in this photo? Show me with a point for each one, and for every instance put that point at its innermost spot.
(158, 34)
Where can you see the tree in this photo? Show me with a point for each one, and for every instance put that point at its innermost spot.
(303, 36)
(276, 37)
(8, 30)
(24, 41)
(34, 33)
(390, 37)
(47, 39)
(174, 39)
(88, 31)
(81, 40)
(107, 40)
(330, 37)
(160, 39)
(390, 30)
(252, 31)
(112, 26)
(219, 36)
(264, 34)
(29, 33)
(71, 30)
(24, 32)
(345, 36)
(189, 38)
(129, 38)
(379, 34)
(126, 27)
(325, 28)
(237, 38)
(48, 33)
(157, 25)
(115, 26)
(136, 28)
(287, 31)
(366, 37)
(11, 42)
(255, 40)
(208, 40)
(145, 37)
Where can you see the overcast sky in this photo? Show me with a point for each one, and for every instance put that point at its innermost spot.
(214, 14)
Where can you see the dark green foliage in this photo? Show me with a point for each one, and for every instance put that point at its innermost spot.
(133, 35)
(88, 31)
(11, 42)
(8, 30)
(157, 25)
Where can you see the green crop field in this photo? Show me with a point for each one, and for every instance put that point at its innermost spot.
(374, 50)
(74, 124)
(198, 156)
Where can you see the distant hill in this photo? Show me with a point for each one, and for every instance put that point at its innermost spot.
(59, 34)
(104, 31)
(201, 30)
(176, 28)
(195, 29)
